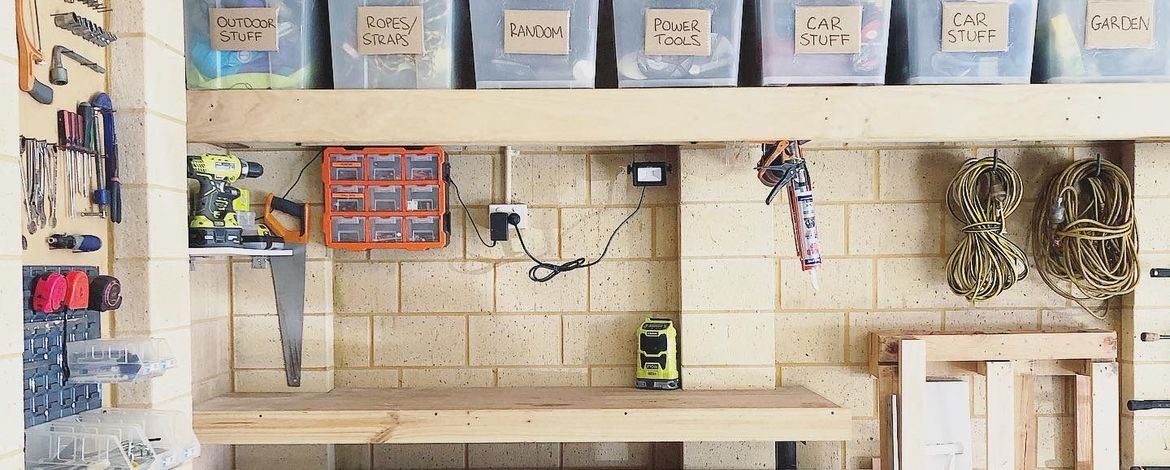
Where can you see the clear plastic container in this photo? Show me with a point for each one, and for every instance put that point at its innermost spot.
(637, 69)
(136, 450)
(300, 61)
(118, 360)
(385, 198)
(168, 433)
(348, 229)
(347, 166)
(495, 68)
(783, 65)
(443, 24)
(347, 198)
(386, 167)
(46, 448)
(424, 229)
(422, 167)
(1062, 55)
(422, 198)
(916, 46)
(386, 229)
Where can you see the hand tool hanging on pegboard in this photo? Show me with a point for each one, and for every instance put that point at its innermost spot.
(783, 166)
(38, 181)
(108, 158)
(30, 54)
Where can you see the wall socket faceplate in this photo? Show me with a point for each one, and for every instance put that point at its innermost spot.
(519, 209)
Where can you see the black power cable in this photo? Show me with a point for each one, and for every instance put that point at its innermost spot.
(467, 211)
(554, 269)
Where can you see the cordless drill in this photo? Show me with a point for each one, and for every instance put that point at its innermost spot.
(213, 217)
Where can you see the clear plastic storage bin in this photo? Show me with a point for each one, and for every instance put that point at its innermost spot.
(358, 62)
(917, 55)
(117, 360)
(716, 64)
(1141, 54)
(843, 44)
(347, 198)
(386, 229)
(169, 433)
(349, 229)
(48, 449)
(422, 167)
(422, 198)
(347, 166)
(300, 60)
(385, 198)
(496, 67)
(424, 229)
(386, 167)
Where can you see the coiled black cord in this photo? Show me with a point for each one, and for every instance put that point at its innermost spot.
(544, 272)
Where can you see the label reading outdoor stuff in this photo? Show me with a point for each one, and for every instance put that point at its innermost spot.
(1119, 24)
(536, 32)
(390, 30)
(244, 29)
(975, 27)
(828, 30)
(678, 32)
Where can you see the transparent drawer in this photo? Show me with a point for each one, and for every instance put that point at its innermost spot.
(385, 198)
(1065, 53)
(638, 68)
(47, 448)
(118, 360)
(386, 229)
(917, 39)
(347, 198)
(497, 68)
(424, 229)
(422, 198)
(169, 433)
(386, 167)
(815, 60)
(422, 167)
(346, 167)
(348, 229)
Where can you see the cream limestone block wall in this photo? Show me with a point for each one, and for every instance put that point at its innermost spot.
(11, 344)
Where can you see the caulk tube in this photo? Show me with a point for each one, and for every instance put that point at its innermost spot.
(804, 223)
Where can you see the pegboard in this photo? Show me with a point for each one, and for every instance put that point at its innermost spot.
(47, 396)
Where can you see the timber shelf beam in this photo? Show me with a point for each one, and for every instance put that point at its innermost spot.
(676, 116)
(487, 415)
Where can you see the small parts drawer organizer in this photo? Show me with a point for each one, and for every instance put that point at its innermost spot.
(378, 198)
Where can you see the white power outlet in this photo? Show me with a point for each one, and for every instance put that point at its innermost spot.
(518, 209)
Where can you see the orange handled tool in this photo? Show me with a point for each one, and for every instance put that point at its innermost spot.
(29, 55)
(297, 210)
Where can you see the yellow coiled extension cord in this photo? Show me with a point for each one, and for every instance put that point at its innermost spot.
(985, 263)
(1084, 234)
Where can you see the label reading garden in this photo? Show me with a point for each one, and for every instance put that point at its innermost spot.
(828, 30)
(974, 27)
(243, 29)
(1119, 25)
(678, 32)
(536, 32)
(390, 30)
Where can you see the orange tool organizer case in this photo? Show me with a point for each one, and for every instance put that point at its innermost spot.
(385, 198)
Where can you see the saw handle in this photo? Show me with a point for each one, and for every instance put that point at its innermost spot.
(27, 55)
(297, 210)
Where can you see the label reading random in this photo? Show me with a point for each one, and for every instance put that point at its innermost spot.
(243, 29)
(828, 30)
(678, 32)
(1119, 25)
(390, 30)
(975, 27)
(536, 32)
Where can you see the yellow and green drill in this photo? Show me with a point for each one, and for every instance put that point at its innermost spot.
(213, 215)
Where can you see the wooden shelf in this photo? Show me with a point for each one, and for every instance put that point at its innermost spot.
(484, 415)
(219, 252)
(648, 116)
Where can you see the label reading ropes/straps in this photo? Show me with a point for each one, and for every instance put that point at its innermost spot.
(975, 27)
(390, 30)
(1119, 25)
(243, 29)
(536, 32)
(678, 32)
(828, 30)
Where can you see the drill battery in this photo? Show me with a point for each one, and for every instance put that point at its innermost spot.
(658, 355)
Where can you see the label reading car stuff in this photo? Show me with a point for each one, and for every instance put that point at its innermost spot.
(536, 32)
(390, 30)
(975, 27)
(1119, 25)
(828, 30)
(243, 29)
(678, 32)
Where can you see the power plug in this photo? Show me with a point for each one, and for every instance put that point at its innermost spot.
(501, 216)
(518, 209)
